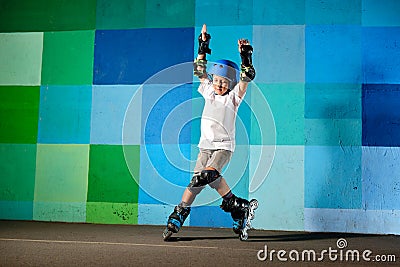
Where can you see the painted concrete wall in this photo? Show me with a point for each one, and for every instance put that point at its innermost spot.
(99, 113)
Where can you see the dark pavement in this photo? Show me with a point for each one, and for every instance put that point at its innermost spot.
(25, 243)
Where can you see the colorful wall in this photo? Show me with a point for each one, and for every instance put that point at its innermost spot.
(99, 113)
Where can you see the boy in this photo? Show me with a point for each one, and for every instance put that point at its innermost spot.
(223, 95)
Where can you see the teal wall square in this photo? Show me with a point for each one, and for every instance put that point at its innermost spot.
(65, 114)
(333, 12)
(380, 13)
(21, 57)
(128, 14)
(243, 118)
(332, 101)
(277, 12)
(170, 13)
(286, 102)
(262, 122)
(16, 210)
(224, 12)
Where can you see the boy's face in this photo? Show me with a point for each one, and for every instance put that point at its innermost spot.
(220, 84)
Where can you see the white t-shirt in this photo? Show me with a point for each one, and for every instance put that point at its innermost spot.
(218, 118)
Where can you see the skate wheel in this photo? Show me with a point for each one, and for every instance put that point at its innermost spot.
(243, 236)
(167, 234)
(251, 216)
(254, 203)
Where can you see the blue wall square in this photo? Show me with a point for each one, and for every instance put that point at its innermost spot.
(380, 116)
(279, 53)
(210, 217)
(164, 173)
(381, 54)
(332, 177)
(166, 114)
(64, 114)
(109, 106)
(333, 54)
(133, 56)
(381, 175)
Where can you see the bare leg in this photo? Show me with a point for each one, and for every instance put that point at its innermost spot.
(188, 197)
(223, 188)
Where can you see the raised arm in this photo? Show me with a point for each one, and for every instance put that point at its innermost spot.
(200, 62)
(247, 71)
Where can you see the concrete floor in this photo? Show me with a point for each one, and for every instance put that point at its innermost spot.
(25, 243)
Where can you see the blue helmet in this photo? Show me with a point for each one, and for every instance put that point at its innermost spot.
(227, 69)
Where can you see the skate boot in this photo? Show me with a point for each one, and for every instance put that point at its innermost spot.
(242, 212)
(175, 221)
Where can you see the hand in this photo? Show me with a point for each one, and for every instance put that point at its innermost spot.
(242, 43)
(204, 41)
(204, 32)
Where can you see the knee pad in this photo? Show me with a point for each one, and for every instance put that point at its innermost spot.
(204, 178)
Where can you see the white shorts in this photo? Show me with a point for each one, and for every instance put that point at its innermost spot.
(212, 158)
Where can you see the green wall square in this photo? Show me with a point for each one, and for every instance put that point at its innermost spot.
(286, 101)
(47, 15)
(19, 113)
(170, 13)
(112, 213)
(21, 57)
(128, 14)
(17, 165)
(68, 58)
(110, 179)
(61, 173)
